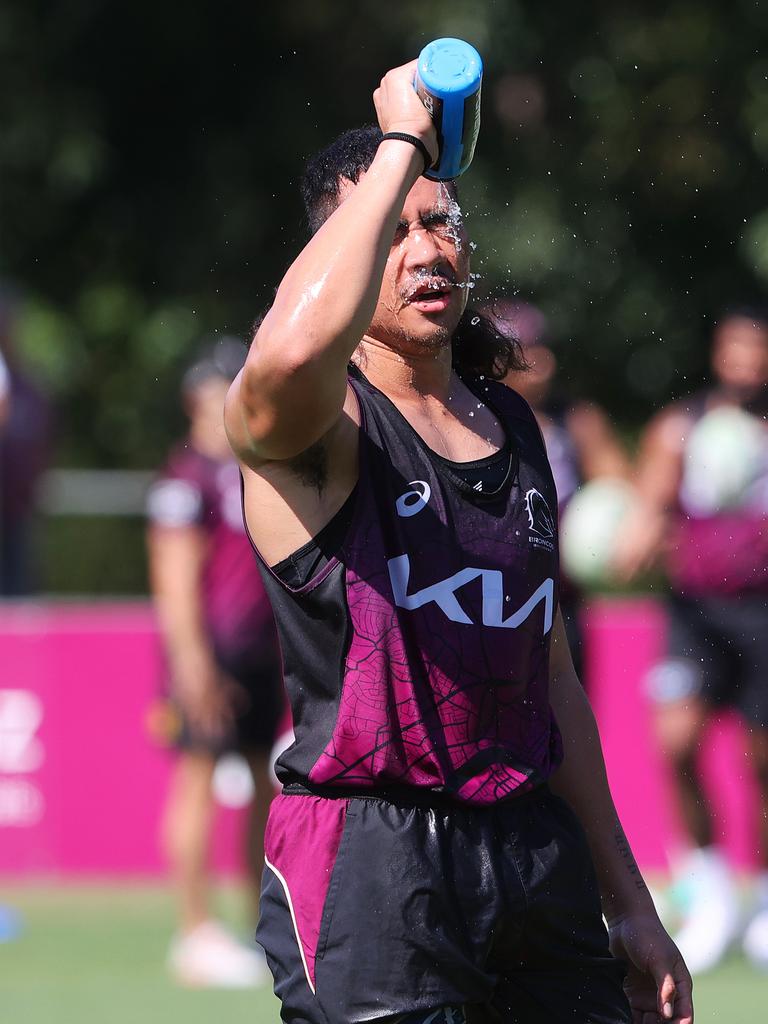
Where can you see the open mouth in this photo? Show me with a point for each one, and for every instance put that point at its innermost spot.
(431, 296)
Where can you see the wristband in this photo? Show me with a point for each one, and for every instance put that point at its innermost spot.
(404, 137)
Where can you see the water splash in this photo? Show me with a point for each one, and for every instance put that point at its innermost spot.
(455, 222)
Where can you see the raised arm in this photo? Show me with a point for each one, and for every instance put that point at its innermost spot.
(657, 480)
(599, 449)
(658, 980)
(292, 388)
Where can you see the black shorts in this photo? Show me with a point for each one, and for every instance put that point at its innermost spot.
(372, 909)
(257, 701)
(717, 650)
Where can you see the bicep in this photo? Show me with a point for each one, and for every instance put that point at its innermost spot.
(276, 409)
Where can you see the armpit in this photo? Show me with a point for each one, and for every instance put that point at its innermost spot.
(311, 466)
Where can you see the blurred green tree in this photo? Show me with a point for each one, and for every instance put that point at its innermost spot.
(149, 156)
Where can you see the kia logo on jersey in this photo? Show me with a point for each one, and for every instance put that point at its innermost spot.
(443, 594)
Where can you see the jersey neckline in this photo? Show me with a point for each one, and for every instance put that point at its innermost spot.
(444, 466)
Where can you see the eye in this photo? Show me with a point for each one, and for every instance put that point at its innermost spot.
(441, 224)
(400, 232)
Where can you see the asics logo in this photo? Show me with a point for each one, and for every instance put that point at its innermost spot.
(443, 594)
(414, 501)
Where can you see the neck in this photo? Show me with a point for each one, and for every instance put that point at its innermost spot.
(406, 376)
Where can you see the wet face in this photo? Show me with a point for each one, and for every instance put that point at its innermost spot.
(740, 355)
(424, 288)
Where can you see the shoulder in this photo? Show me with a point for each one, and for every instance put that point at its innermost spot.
(508, 401)
(176, 496)
(513, 409)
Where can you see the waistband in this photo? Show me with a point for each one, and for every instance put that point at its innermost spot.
(411, 796)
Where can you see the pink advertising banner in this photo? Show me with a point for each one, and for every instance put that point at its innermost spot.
(82, 786)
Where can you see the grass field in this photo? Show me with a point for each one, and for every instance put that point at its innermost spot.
(95, 955)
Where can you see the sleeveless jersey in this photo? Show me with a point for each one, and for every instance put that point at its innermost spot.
(419, 656)
(195, 490)
(718, 552)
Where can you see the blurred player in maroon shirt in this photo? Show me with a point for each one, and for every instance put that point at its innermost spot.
(703, 484)
(222, 663)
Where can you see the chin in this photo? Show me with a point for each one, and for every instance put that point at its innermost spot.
(432, 336)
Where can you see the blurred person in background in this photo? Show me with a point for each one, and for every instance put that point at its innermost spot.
(223, 665)
(25, 438)
(580, 440)
(703, 484)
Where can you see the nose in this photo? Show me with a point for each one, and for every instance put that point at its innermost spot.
(421, 249)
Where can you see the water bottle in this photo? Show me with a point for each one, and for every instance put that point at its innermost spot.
(448, 80)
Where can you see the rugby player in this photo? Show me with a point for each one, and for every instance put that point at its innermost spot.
(703, 485)
(445, 843)
(222, 666)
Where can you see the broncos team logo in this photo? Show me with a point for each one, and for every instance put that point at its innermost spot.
(540, 519)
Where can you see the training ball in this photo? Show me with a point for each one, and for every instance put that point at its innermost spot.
(590, 529)
(724, 456)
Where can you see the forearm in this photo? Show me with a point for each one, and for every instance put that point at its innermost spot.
(326, 299)
(323, 308)
(175, 566)
(581, 780)
(185, 640)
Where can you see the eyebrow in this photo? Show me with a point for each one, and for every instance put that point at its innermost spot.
(434, 216)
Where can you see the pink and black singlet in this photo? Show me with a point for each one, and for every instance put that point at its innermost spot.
(416, 656)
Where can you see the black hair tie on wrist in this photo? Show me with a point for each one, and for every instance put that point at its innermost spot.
(404, 137)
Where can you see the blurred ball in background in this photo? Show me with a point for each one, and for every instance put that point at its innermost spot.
(590, 530)
(724, 457)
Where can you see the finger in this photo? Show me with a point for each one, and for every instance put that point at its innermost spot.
(684, 999)
(667, 993)
(406, 69)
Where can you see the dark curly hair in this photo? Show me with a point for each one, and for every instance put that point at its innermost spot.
(479, 347)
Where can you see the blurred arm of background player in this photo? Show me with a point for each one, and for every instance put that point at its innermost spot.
(177, 556)
(658, 981)
(657, 481)
(597, 446)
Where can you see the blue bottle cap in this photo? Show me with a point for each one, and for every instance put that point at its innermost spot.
(450, 66)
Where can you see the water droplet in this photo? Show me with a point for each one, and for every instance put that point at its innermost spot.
(475, 321)
(471, 413)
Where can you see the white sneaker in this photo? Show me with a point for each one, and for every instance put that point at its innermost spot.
(211, 957)
(712, 922)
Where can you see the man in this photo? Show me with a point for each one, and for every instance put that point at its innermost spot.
(222, 665)
(418, 866)
(580, 440)
(703, 481)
